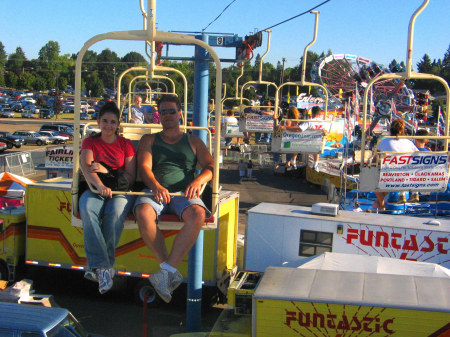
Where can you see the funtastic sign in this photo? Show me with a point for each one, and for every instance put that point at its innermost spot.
(416, 171)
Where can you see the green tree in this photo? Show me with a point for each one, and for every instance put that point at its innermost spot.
(134, 59)
(11, 79)
(25, 81)
(94, 86)
(106, 62)
(57, 106)
(392, 66)
(39, 83)
(16, 61)
(424, 65)
(49, 55)
(3, 57)
(445, 68)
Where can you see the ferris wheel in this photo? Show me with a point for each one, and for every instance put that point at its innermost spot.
(345, 74)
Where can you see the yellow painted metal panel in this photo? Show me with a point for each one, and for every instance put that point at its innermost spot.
(292, 318)
(316, 178)
(12, 235)
(52, 238)
(228, 225)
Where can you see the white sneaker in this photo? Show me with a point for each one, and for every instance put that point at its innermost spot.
(160, 282)
(175, 280)
(91, 276)
(105, 279)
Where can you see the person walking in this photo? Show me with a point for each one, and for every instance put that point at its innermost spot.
(249, 169)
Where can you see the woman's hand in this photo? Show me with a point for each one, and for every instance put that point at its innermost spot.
(96, 167)
(104, 191)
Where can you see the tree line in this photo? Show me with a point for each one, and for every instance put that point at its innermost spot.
(51, 70)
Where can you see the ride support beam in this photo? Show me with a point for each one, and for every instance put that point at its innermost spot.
(195, 262)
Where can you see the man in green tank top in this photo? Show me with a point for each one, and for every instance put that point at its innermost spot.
(166, 163)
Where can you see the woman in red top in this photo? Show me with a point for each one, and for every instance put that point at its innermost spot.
(103, 213)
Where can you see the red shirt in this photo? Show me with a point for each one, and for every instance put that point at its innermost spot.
(113, 154)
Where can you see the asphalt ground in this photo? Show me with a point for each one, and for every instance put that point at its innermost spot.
(117, 313)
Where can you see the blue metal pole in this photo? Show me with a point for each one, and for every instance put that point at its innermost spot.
(195, 264)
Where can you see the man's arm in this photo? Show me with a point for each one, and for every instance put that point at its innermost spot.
(144, 161)
(206, 162)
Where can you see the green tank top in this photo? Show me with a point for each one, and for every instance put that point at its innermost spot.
(173, 164)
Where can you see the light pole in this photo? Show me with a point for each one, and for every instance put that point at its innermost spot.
(114, 81)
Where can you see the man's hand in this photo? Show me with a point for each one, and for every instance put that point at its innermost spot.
(193, 190)
(161, 194)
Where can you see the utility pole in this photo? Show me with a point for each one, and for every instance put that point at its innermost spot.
(282, 80)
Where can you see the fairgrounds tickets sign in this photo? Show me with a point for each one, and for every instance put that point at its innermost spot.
(257, 123)
(416, 171)
(59, 157)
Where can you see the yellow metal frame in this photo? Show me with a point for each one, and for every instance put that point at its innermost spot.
(148, 35)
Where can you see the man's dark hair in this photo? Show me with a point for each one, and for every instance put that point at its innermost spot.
(230, 113)
(170, 99)
(315, 111)
(422, 132)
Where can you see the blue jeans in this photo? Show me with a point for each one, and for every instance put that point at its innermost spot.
(102, 225)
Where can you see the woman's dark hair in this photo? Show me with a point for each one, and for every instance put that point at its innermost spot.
(292, 113)
(109, 107)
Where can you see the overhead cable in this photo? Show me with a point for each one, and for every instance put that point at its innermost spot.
(218, 16)
(309, 10)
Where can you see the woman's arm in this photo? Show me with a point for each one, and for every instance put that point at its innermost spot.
(90, 170)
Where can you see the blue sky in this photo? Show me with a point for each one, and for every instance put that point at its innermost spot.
(376, 29)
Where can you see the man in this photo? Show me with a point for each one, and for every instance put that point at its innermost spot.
(230, 120)
(139, 113)
(315, 116)
(166, 163)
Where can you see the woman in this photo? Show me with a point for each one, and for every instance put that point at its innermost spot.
(393, 145)
(291, 124)
(103, 213)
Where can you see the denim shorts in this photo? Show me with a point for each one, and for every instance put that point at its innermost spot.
(177, 204)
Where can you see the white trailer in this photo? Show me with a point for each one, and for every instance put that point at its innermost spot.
(284, 235)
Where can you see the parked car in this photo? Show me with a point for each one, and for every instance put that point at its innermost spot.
(46, 113)
(3, 147)
(27, 114)
(84, 116)
(67, 129)
(11, 140)
(32, 137)
(7, 113)
(54, 137)
(90, 129)
(39, 321)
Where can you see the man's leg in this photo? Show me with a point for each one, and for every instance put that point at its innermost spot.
(194, 218)
(152, 236)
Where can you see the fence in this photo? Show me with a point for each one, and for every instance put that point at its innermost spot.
(23, 162)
